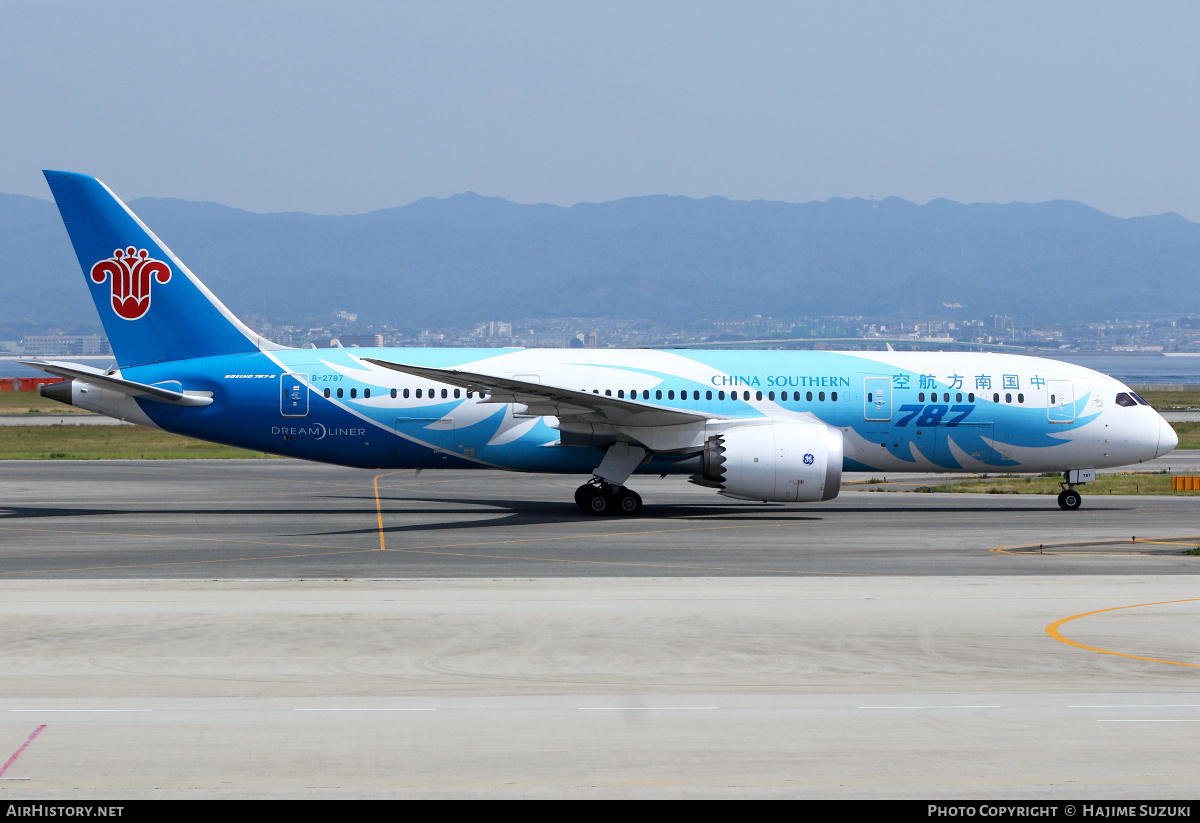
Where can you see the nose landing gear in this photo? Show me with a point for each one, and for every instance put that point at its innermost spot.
(1069, 499)
(597, 497)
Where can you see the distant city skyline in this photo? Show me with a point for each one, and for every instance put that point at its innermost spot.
(347, 108)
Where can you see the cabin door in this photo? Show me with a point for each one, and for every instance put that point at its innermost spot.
(293, 395)
(877, 399)
(1060, 401)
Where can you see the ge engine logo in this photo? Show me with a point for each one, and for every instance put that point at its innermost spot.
(808, 459)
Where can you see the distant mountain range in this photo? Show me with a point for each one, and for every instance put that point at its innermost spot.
(469, 258)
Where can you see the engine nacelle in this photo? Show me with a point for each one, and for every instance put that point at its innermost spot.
(784, 461)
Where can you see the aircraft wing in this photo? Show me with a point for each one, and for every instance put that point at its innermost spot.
(554, 401)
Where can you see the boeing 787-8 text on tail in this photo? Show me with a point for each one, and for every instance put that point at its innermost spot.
(755, 425)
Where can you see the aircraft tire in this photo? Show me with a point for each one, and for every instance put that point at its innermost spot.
(599, 503)
(629, 503)
(1069, 500)
(581, 495)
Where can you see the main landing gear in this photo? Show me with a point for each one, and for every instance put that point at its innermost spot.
(598, 497)
(604, 493)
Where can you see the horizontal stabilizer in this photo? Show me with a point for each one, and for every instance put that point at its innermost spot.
(88, 374)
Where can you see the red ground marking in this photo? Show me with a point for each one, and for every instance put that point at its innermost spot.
(24, 746)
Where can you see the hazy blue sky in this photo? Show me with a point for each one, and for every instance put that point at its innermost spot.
(347, 107)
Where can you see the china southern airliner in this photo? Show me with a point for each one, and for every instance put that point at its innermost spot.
(754, 425)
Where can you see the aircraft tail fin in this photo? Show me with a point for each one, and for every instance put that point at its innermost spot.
(152, 307)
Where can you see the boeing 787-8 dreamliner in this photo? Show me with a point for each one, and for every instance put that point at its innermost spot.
(755, 425)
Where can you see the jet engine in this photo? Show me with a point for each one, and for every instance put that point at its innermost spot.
(783, 461)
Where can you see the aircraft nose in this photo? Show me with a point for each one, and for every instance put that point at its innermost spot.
(1167, 438)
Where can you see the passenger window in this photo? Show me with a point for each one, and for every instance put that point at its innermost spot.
(418, 394)
(821, 396)
(758, 395)
(444, 393)
(608, 392)
(808, 396)
(671, 394)
(770, 395)
(833, 396)
(658, 394)
(958, 397)
(339, 392)
(354, 393)
(470, 394)
(708, 395)
(406, 394)
(455, 394)
(720, 395)
(971, 397)
(996, 397)
(796, 396)
(620, 393)
(327, 392)
(1008, 397)
(1020, 398)
(393, 393)
(1124, 399)
(921, 397)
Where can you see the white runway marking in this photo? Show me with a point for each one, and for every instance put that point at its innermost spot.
(647, 708)
(929, 707)
(80, 710)
(364, 710)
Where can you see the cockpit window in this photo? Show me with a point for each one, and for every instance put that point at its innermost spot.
(1138, 398)
(1123, 399)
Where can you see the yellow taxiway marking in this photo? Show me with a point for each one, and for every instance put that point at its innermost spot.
(379, 509)
(1053, 631)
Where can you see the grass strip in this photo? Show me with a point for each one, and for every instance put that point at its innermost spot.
(107, 443)
(30, 402)
(1189, 434)
(1172, 400)
(1123, 483)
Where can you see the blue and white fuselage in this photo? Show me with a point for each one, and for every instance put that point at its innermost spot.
(771, 425)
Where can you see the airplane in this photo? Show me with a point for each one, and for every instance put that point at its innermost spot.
(752, 425)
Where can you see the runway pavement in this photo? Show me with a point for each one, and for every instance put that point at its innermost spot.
(931, 687)
(284, 629)
(284, 518)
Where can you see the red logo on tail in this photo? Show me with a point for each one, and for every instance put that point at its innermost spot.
(131, 271)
